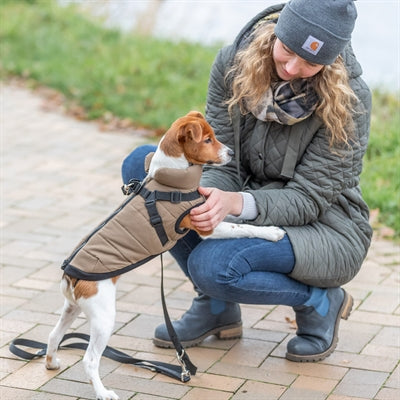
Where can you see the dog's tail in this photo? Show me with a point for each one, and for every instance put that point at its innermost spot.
(67, 286)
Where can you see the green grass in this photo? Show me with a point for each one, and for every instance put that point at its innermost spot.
(147, 80)
(152, 82)
(380, 180)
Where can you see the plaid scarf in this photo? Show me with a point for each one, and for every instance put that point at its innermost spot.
(287, 102)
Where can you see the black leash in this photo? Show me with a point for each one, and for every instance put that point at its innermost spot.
(187, 367)
(180, 372)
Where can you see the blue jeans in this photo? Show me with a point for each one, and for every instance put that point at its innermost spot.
(251, 271)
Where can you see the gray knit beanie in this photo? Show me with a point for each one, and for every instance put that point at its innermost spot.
(317, 30)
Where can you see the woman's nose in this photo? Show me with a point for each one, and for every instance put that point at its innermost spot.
(292, 66)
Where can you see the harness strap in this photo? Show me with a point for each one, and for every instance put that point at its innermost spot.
(151, 197)
(155, 217)
(174, 196)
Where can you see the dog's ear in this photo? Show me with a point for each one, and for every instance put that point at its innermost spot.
(196, 114)
(191, 130)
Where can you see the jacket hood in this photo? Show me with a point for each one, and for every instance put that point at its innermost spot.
(272, 13)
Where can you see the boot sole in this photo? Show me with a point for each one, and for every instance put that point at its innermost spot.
(343, 313)
(227, 332)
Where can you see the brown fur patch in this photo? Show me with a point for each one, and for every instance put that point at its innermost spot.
(115, 279)
(84, 289)
(170, 145)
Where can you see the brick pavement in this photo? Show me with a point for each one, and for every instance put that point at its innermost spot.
(60, 177)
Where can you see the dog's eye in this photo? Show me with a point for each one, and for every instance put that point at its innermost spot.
(208, 140)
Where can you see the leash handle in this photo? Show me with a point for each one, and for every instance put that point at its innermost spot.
(27, 343)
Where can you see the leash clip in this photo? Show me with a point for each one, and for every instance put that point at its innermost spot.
(133, 186)
(185, 374)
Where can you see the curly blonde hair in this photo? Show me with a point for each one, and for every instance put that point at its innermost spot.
(254, 70)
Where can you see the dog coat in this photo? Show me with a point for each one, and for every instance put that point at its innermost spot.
(142, 227)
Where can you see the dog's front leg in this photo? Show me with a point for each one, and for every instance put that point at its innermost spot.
(228, 230)
(100, 311)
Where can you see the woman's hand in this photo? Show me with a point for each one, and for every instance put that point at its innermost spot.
(217, 206)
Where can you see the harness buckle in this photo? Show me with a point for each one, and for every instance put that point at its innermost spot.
(176, 197)
(155, 220)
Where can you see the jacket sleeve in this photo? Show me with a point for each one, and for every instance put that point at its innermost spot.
(322, 175)
(223, 177)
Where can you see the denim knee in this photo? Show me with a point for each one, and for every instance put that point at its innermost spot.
(203, 270)
(133, 165)
(183, 248)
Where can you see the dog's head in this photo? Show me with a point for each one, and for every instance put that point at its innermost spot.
(193, 137)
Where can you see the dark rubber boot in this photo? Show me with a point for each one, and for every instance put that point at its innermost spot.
(317, 336)
(201, 321)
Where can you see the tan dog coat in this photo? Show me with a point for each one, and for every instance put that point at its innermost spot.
(127, 239)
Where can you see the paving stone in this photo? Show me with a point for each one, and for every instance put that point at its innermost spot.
(262, 334)
(394, 380)
(258, 391)
(253, 373)
(381, 351)
(202, 394)
(361, 383)
(307, 369)
(141, 396)
(314, 384)
(148, 386)
(336, 397)
(7, 393)
(373, 363)
(302, 394)
(384, 301)
(388, 394)
(79, 389)
(33, 375)
(249, 352)
(15, 326)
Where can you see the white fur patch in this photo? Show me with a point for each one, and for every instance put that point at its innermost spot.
(161, 160)
(224, 155)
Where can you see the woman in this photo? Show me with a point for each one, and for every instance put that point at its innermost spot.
(288, 98)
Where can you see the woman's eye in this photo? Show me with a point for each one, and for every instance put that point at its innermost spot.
(287, 50)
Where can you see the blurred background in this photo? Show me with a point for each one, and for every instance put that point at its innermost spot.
(376, 38)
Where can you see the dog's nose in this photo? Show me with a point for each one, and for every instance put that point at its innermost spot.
(231, 153)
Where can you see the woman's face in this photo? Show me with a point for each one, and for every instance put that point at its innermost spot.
(290, 66)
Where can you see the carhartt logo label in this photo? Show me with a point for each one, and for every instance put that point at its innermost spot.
(312, 45)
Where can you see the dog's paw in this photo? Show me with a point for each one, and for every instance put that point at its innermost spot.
(107, 395)
(275, 233)
(52, 363)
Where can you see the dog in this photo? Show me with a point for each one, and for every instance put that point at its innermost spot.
(189, 141)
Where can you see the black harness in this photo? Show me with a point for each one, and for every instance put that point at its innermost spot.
(150, 199)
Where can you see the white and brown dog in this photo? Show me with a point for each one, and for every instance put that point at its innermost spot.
(190, 140)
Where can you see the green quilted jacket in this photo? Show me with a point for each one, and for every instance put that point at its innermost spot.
(297, 181)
